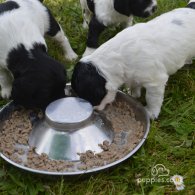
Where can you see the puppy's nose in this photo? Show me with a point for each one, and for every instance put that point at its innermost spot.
(146, 14)
(154, 8)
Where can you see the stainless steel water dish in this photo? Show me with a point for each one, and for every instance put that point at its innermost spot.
(73, 120)
(70, 127)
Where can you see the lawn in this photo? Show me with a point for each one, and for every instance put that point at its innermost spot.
(170, 141)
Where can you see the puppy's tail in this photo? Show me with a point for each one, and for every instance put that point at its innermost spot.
(191, 4)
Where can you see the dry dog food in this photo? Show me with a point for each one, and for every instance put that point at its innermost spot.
(16, 129)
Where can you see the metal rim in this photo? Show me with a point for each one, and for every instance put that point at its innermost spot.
(66, 126)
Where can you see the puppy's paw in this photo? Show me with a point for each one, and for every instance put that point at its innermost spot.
(67, 92)
(190, 61)
(129, 24)
(6, 92)
(99, 108)
(71, 56)
(88, 51)
(136, 93)
(153, 114)
(85, 25)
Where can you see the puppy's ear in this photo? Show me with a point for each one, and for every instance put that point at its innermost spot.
(20, 91)
(27, 94)
(88, 83)
(21, 85)
(122, 6)
(191, 5)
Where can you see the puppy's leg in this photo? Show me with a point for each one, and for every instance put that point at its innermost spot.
(63, 40)
(5, 83)
(189, 61)
(154, 99)
(129, 22)
(86, 18)
(86, 14)
(57, 33)
(95, 29)
(85, 24)
(109, 98)
(136, 91)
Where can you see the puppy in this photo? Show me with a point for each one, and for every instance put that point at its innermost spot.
(99, 14)
(139, 56)
(27, 73)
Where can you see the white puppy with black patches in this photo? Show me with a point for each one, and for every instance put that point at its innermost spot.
(99, 14)
(140, 56)
(27, 72)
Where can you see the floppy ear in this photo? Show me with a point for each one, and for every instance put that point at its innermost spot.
(88, 83)
(122, 6)
(191, 5)
(20, 90)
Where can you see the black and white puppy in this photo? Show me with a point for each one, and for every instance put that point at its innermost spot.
(27, 73)
(99, 14)
(139, 56)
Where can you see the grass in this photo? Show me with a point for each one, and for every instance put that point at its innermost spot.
(170, 141)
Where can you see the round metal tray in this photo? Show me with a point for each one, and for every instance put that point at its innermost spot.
(140, 114)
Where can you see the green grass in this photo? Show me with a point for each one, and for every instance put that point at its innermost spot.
(170, 141)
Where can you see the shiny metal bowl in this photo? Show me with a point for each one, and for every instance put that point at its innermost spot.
(63, 134)
(70, 127)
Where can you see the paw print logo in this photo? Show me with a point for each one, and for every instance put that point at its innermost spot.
(159, 170)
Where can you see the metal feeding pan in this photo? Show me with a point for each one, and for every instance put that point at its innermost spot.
(70, 126)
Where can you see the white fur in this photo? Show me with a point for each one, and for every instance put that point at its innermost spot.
(146, 54)
(88, 51)
(6, 83)
(149, 9)
(107, 15)
(26, 25)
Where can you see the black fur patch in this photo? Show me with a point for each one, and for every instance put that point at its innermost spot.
(19, 59)
(38, 79)
(123, 7)
(133, 7)
(8, 6)
(191, 5)
(88, 83)
(54, 27)
(91, 5)
(95, 29)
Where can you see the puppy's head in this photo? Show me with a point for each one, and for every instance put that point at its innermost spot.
(140, 8)
(88, 83)
(39, 86)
